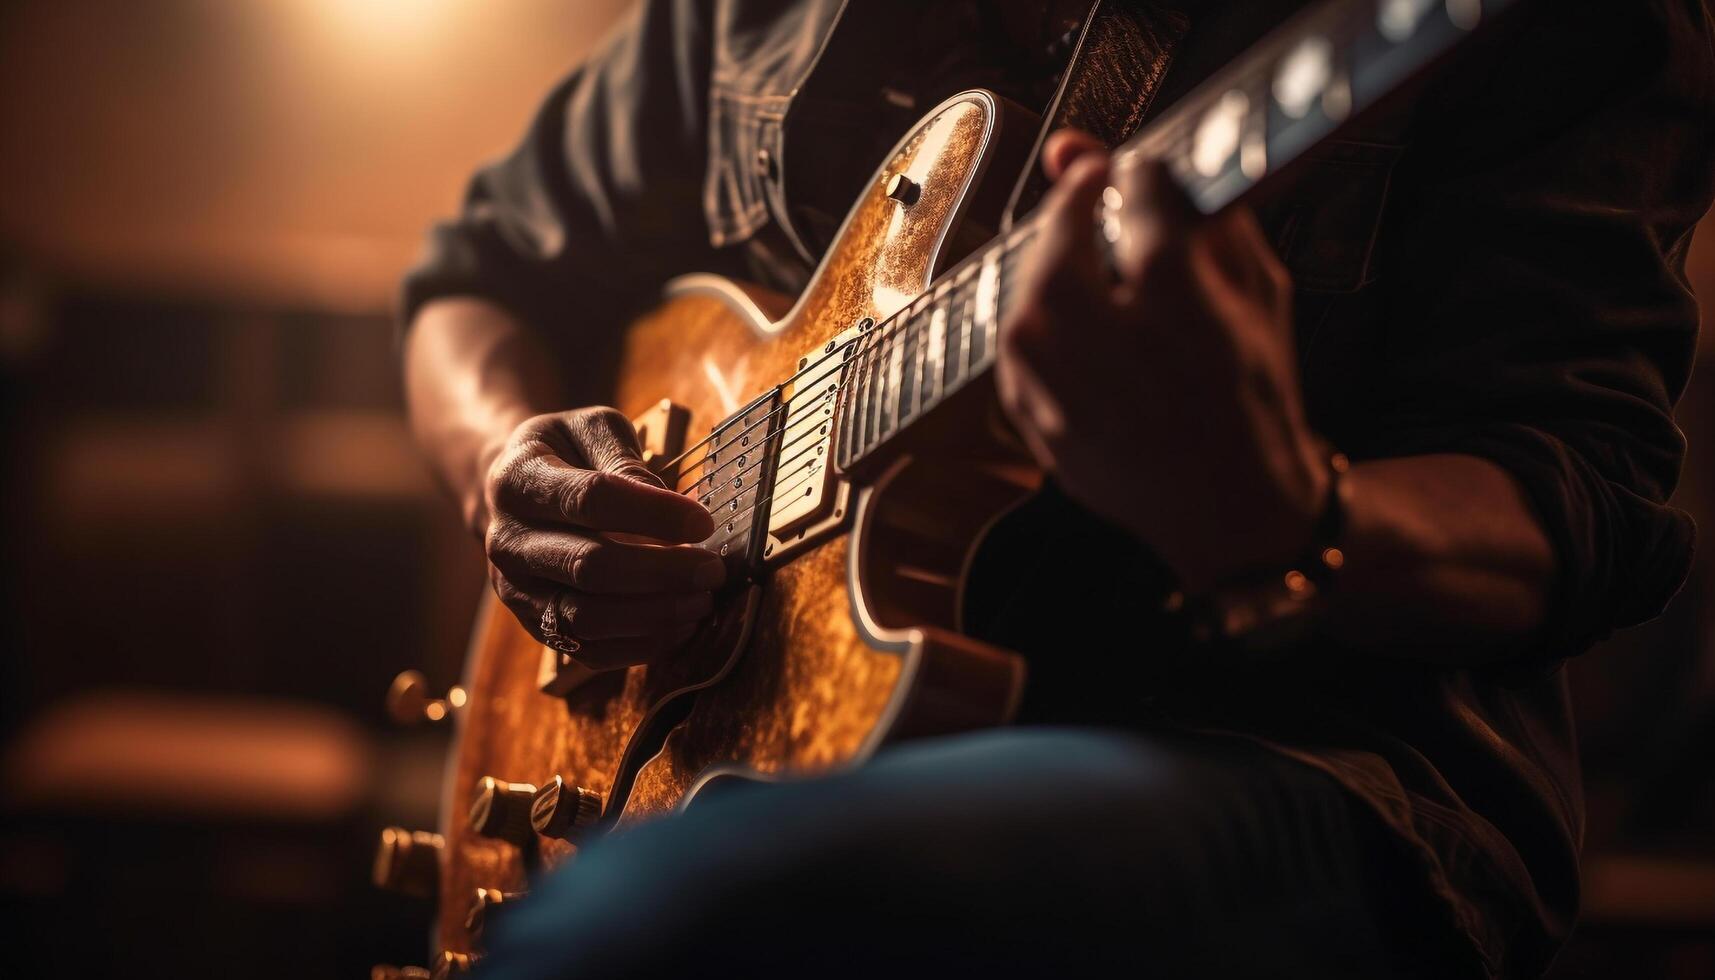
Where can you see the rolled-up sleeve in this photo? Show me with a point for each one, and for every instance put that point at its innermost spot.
(1537, 310)
(603, 193)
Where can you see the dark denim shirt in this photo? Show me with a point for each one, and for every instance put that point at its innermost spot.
(1494, 268)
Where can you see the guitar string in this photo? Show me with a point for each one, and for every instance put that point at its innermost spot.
(791, 479)
(744, 450)
(953, 280)
(872, 341)
(721, 429)
(898, 418)
(763, 461)
(860, 363)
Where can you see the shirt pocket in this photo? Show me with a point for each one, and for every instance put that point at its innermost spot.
(744, 155)
(1324, 228)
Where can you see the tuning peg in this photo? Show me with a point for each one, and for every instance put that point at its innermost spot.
(385, 972)
(502, 810)
(408, 701)
(409, 862)
(450, 965)
(562, 810)
(483, 905)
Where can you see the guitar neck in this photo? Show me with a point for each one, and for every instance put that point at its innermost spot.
(1223, 143)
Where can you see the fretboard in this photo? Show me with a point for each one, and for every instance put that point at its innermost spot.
(1222, 142)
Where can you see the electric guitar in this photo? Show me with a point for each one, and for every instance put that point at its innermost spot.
(849, 445)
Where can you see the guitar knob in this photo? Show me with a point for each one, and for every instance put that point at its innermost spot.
(502, 810)
(409, 862)
(409, 703)
(561, 810)
(902, 189)
(485, 902)
(450, 965)
(398, 973)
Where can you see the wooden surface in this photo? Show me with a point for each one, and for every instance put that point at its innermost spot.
(808, 691)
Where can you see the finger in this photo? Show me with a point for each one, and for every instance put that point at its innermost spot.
(589, 616)
(1064, 146)
(608, 442)
(1246, 256)
(545, 487)
(596, 564)
(597, 654)
(1031, 408)
(1067, 271)
(1155, 218)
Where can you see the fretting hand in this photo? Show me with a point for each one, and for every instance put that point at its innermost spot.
(1165, 398)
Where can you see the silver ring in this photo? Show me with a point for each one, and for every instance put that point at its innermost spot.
(550, 630)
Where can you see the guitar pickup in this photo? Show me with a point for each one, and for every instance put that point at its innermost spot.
(804, 494)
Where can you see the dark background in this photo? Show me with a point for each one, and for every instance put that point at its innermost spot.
(219, 546)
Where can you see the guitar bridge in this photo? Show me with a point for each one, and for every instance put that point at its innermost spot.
(729, 477)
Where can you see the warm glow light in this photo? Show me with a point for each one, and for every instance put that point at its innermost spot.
(384, 21)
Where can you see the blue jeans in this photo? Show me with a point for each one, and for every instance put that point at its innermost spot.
(1022, 852)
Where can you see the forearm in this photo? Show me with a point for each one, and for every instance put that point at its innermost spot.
(472, 374)
(1442, 553)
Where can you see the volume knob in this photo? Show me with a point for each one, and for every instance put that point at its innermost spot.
(902, 189)
(502, 810)
(409, 862)
(561, 810)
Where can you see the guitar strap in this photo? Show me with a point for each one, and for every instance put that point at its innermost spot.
(1122, 54)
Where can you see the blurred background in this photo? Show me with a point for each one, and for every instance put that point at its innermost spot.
(219, 547)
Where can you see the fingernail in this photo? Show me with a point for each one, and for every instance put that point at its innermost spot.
(708, 575)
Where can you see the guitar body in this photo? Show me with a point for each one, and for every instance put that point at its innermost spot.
(846, 636)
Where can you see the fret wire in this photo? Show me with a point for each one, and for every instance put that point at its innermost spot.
(889, 385)
(934, 346)
(865, 393)
(847, 415)
(896, 378)
(964, 338)
(911, 391)
(878, 394)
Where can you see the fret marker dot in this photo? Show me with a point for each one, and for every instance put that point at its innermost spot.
(1218, 134)
(1398, 20)
(1303, 76)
